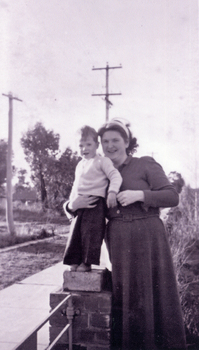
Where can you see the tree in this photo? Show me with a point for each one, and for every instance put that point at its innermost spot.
(177, 180)
(39, 146)
(3, 159)
(66, 168)
(60, 177)
(22, 183)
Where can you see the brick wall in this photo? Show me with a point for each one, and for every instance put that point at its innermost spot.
(92, 320)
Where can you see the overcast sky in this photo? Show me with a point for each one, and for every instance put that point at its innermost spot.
(48, 49)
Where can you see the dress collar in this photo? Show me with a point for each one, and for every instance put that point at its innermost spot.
(127, 161)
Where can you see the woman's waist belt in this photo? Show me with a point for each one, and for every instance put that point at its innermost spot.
(131, 217)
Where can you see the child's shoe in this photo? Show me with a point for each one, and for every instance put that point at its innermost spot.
(73, 267)
(84, 268)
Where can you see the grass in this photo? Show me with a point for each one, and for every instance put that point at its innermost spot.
(24, 261)
(32, 213)
(31, 223)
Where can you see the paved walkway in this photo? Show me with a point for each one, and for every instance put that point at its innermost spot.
(24, 305)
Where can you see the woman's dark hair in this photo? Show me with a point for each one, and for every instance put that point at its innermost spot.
(132, 148)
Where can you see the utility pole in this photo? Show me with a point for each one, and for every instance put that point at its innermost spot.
(108, 103)
(9, 211)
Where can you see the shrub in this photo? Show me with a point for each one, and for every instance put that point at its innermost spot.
(183, 233)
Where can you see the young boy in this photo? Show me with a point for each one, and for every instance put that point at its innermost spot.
(94, 176)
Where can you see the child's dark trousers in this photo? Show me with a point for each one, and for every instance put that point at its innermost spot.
(86, 235)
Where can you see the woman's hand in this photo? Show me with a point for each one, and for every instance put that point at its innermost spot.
(129, 196)
(82, 202)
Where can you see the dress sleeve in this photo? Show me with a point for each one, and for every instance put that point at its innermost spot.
(112, 174)
(69, 213)
(161, 192)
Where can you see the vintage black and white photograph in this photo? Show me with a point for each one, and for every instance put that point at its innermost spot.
(99, 175)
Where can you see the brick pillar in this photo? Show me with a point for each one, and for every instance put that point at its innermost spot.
(92, 300)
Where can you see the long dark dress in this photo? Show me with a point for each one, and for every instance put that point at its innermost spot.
(146, 309)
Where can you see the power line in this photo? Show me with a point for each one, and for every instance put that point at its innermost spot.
(107, 94)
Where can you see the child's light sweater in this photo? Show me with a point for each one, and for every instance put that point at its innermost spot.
(92, 177)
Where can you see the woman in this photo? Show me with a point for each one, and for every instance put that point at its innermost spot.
(146, 309)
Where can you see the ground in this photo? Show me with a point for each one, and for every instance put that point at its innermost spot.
(22, 262)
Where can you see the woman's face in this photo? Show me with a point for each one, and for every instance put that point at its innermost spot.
(114, 146)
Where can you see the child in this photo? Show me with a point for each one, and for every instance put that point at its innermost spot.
(93, 175)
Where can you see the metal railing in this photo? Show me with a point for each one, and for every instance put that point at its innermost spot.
(30, 342)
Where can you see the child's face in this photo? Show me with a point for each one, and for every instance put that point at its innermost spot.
(88, 147)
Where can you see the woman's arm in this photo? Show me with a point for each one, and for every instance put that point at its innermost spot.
(81, 202)
(160, 193)
(70, 207)
(166, 197)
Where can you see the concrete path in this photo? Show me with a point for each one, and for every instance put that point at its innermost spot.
(25, 305)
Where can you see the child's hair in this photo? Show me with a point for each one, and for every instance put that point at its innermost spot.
(86, 131)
